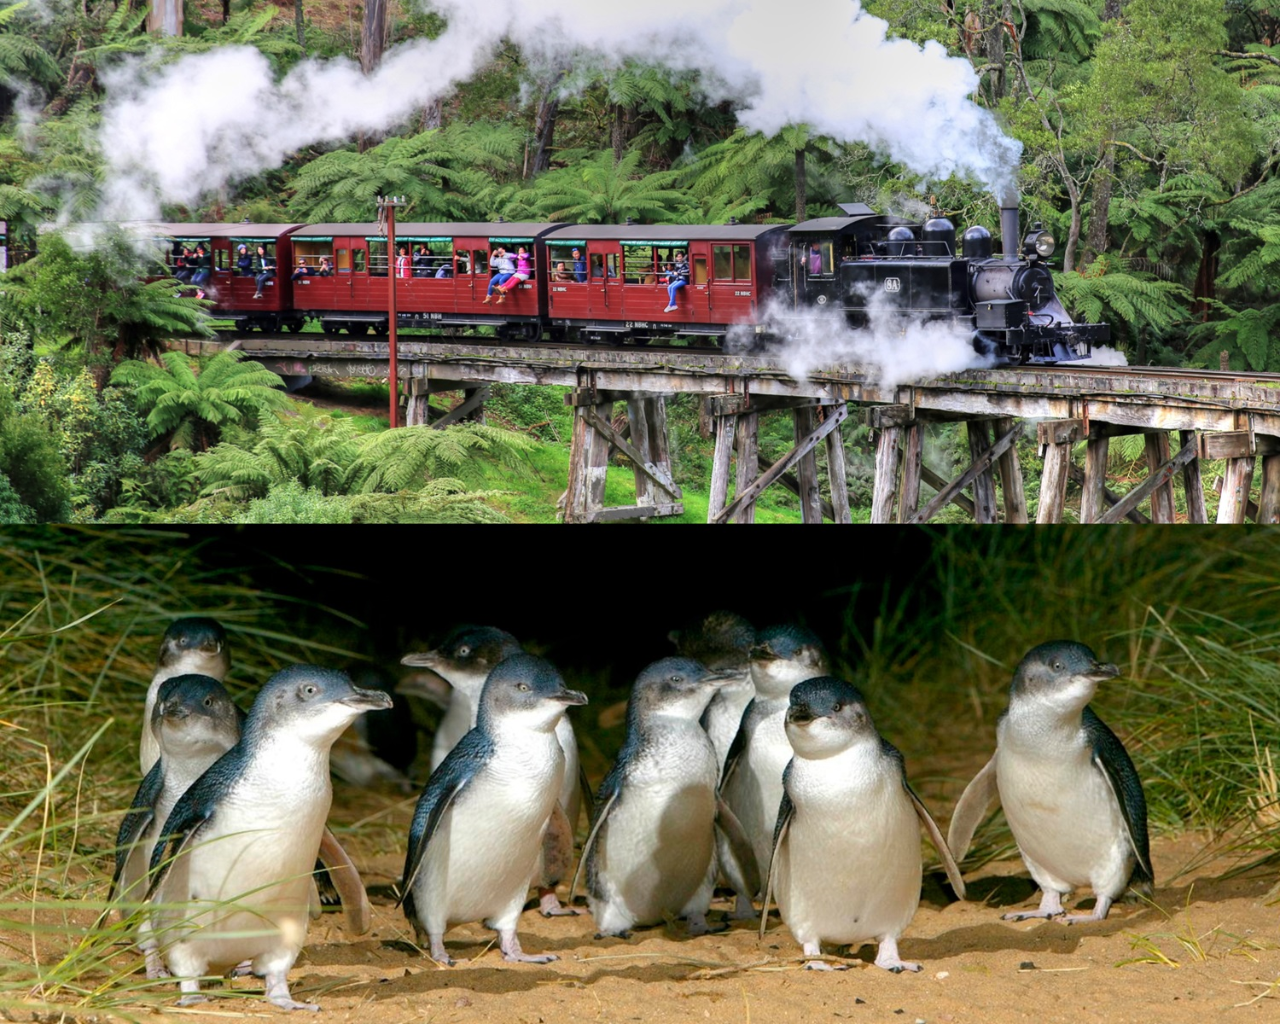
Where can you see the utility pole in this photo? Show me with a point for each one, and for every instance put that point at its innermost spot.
(387, 215)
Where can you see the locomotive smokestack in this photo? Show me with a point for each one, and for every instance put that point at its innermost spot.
(1009, 225)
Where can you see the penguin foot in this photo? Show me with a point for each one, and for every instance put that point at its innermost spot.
(822, 965)
(512, 953)
(155, 966)
(1029, 915)
(241, 970)
(278, 993)
(292, 1004)
(624, 934)
(549, 905)
(192, 999)
(743, 910)
(887, 958)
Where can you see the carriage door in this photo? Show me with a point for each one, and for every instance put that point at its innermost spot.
(604, 287)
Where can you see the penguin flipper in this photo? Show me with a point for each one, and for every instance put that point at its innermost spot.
(734, 854)
(935, 836)
(139, 818)
(971, 809)
(449, 779)
(588, 796)
(737, 747)
(1113, 761)
(346, 879)
(589, 846)
(786, 811)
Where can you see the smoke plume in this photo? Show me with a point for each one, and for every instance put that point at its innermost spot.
(176, 132)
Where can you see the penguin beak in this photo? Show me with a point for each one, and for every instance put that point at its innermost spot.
(421, 659)
(368, 700)
(175, 712)
(720, 676)
(762, 652)
(800, 714)
(571, 697)
(1103, 670)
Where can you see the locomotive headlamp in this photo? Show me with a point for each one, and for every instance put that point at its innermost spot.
(1039, 243)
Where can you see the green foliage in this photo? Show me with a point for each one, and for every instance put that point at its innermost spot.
(596, 190)
(187, 408)
(1250, 337)
(289, 501)
(446, 174)
(31, 462)
(1128, 300)
(22, 57)
(167, 481)
(398, 460)
(96, 300)
(12, 509)
(303, 445)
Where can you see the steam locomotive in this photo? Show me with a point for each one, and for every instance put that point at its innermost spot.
(593, 283)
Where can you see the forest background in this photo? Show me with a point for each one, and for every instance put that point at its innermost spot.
(1151, 136)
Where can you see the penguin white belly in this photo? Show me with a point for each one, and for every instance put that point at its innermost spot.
(754, 792)
(480, 862)
(724, 715)
(849, 870)
(657, 847)
(1065, 819)
(246, 879)
(457, 722)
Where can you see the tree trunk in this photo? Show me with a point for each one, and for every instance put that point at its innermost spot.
(226, 11)
(1073, 233)
(544, 122)
(1111, 9)
(433, 115)
(165, 17)
(297, 24)
(1204, 291)
(617, 133)
(1104, 180)
(802, 188)
(373, 40)
(373, 35)
(993, 48)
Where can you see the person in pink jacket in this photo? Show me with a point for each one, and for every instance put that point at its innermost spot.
(524, 271)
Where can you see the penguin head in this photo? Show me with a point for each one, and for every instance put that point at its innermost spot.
(721, 640)
(195, 645)
(312, 703)
(676, 687)
(467, 655)
(525, 692)
(1062, 675)
(783, 656)
(194, 717)
(826, 716)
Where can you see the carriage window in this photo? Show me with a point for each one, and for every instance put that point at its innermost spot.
(359, 256)
(640, 264)
(819, 263)
(309, 255)
(343, 260)
(377, 259)
(568, 262)
(742, 263)
(603, 265)
(722, 262)
(220, 259)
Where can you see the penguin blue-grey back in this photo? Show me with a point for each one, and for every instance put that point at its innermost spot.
(194, 722)
(649, 855)
(232, 876)
(722, 642)
(191, 646)
(478, 827)
(751, 782)
(465, 659)
(1070, 792)
(846, 865)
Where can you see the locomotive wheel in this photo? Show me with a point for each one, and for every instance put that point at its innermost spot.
(533, 331)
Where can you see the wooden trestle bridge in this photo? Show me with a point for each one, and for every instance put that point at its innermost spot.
(1216, 415)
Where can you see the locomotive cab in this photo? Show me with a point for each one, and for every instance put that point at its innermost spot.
(879, 269)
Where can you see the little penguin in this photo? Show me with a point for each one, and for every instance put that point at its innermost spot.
(752, 779)
(464, 660)
(846, 864)
(191, 646)
(650, 852)
(1071, 794)
(478, 827)
(195, 723)
(231, 875)
(722, 642)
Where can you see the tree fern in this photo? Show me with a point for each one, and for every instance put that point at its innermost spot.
(1127, 301)
(399, 460)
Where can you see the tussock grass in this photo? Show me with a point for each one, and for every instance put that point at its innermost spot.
(81, 614)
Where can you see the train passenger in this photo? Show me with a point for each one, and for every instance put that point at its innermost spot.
(182, 266)
(326, 268)
(265, 265)
(579, 267)
(524, 271)
(402, 262)
(244, 262)
(446, 269)
(506, 268)
(422, 262)
(677, 279)
(563, 273)
(202, 270)
(302, 270)
(814, 258)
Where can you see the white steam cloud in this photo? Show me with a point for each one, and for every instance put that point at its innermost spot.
(1104, 355)
(891, 350)
(177, 132)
